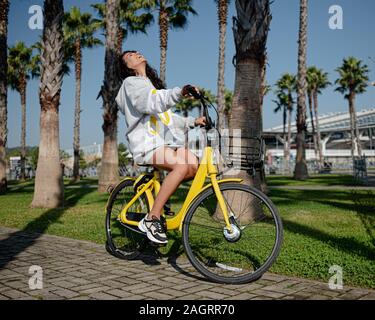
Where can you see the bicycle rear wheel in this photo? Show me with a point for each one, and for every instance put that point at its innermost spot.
(125, 241)
(243, 255)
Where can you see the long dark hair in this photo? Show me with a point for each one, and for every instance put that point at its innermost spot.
(150, 72)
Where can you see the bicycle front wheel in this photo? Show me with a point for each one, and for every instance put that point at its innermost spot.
(247, 251)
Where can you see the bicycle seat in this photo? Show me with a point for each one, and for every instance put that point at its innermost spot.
(148, 168)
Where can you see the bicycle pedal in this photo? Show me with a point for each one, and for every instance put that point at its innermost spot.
(169, 213)
(157, 245)
(167, 210)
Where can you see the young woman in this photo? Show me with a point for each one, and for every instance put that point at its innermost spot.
(155, 135)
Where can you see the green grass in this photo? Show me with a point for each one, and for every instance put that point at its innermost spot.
(334, 227)
(322, 228)
(321, 179)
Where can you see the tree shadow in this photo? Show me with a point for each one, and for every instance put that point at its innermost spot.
(18, 241)
(326, 180)
(349, 245)
(173, 254)
(362, 204)
(23, 187)
(365, 209)
(334, 198)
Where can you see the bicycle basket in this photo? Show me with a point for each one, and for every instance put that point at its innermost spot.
(243, 153)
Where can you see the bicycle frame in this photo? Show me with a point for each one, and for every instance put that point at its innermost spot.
(207, 168)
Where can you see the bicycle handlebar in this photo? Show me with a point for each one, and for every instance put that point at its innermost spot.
(199, 96)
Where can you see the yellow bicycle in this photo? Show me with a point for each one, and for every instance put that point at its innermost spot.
(231, 232)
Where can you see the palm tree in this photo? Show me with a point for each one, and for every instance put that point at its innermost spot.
(300, 171)
(282, 105)
(250, 28)
(172, 14)
(222, 10)
(4, 10)
(311, 79)
(21, 67)
(317, 80)
(79, 30)
(109, 165)
(228, 101)
(129, 18)
(68, 55)
(353, 80)
(286, 85)
(49, 188)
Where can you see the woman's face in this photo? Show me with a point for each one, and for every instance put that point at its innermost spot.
(134, 59)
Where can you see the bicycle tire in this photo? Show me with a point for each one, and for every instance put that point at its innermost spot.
(194, 248)
(133, 239)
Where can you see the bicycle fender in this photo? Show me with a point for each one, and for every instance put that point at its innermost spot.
(204, 189)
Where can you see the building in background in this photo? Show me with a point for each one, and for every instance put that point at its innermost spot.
(335, 137)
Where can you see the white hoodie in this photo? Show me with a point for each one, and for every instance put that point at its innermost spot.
(149, 122)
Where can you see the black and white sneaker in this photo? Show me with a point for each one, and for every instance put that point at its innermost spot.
(154, 229)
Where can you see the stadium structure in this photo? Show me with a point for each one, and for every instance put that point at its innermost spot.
(335, 139)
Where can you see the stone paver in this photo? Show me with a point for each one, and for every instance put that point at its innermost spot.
(80, 270)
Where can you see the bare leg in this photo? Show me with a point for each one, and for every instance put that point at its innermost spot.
(182, 165)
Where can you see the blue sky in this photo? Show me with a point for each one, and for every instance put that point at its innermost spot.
(193, 57)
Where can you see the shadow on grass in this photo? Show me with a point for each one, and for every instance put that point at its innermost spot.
(15, 186)
(361, 203)
(348, 245)
(365, 209)
(324, 180)
(336, 198)
(19, 241)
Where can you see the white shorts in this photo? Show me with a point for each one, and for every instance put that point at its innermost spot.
(147, 158)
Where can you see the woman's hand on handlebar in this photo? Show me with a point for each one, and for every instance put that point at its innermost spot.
(200, 121)
(189, 90)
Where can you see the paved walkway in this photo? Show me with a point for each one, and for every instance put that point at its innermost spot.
(75, 269)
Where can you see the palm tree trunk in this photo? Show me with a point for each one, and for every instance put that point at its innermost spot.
(120, 38)
(164, 26)
(246, 114)
(23, 128)
(222, 15)
(310, 98)
(352, 135)
(263, 183)
(49, 187)
(285, 153)
(300, 171)
(250, 30)
(356, 130)
(109, 164)
(318, 140)
(77, 111)
(356, 145)
(289, 140)
(4, 9)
